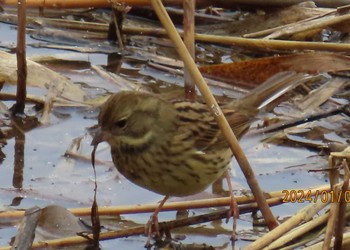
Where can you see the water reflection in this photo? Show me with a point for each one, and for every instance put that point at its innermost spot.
(114, 62)
(17, 180)
(19, 126)
(2, 155)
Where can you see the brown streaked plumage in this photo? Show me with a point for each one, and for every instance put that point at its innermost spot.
(174, 148)
(171, 148)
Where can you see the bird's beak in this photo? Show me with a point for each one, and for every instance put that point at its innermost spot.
(100, 136)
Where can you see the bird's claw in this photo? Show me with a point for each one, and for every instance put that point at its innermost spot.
(152, 222)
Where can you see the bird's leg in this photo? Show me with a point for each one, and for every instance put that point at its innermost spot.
(233, 212)
(153, 220)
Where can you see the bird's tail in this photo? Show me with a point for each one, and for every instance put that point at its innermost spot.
(270, 90)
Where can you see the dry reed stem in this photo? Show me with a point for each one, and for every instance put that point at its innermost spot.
(332, 220)
(339, 228)
(345, 245)
(318, 246)
(121, 82)
(170, 206)
(261, 44)
(334, 209)
(300, 231)
(215, 109)
(265, 44)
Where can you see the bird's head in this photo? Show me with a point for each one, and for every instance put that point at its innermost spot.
(131, 121)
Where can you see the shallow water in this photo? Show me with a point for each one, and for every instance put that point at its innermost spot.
(51, 178)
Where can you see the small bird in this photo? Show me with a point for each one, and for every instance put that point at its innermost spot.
(175, 147)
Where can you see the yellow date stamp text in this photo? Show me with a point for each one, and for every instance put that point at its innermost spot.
(325, 196)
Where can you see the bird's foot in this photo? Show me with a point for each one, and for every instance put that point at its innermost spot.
(233, 211)
(152, 223)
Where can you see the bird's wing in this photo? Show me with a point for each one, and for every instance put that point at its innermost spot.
(197, 124)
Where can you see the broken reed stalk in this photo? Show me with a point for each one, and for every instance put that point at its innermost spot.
(188, 36)
(318, 245)
(215, 109)
(21, 59)
(334, 208)
(332, 220)
(336, 223)
(299, 231)
(302, 215)
(339, 228)
(304, 229)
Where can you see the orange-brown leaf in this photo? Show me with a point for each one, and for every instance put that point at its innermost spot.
(253, 72)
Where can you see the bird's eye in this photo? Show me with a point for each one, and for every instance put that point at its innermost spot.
(121, 123)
